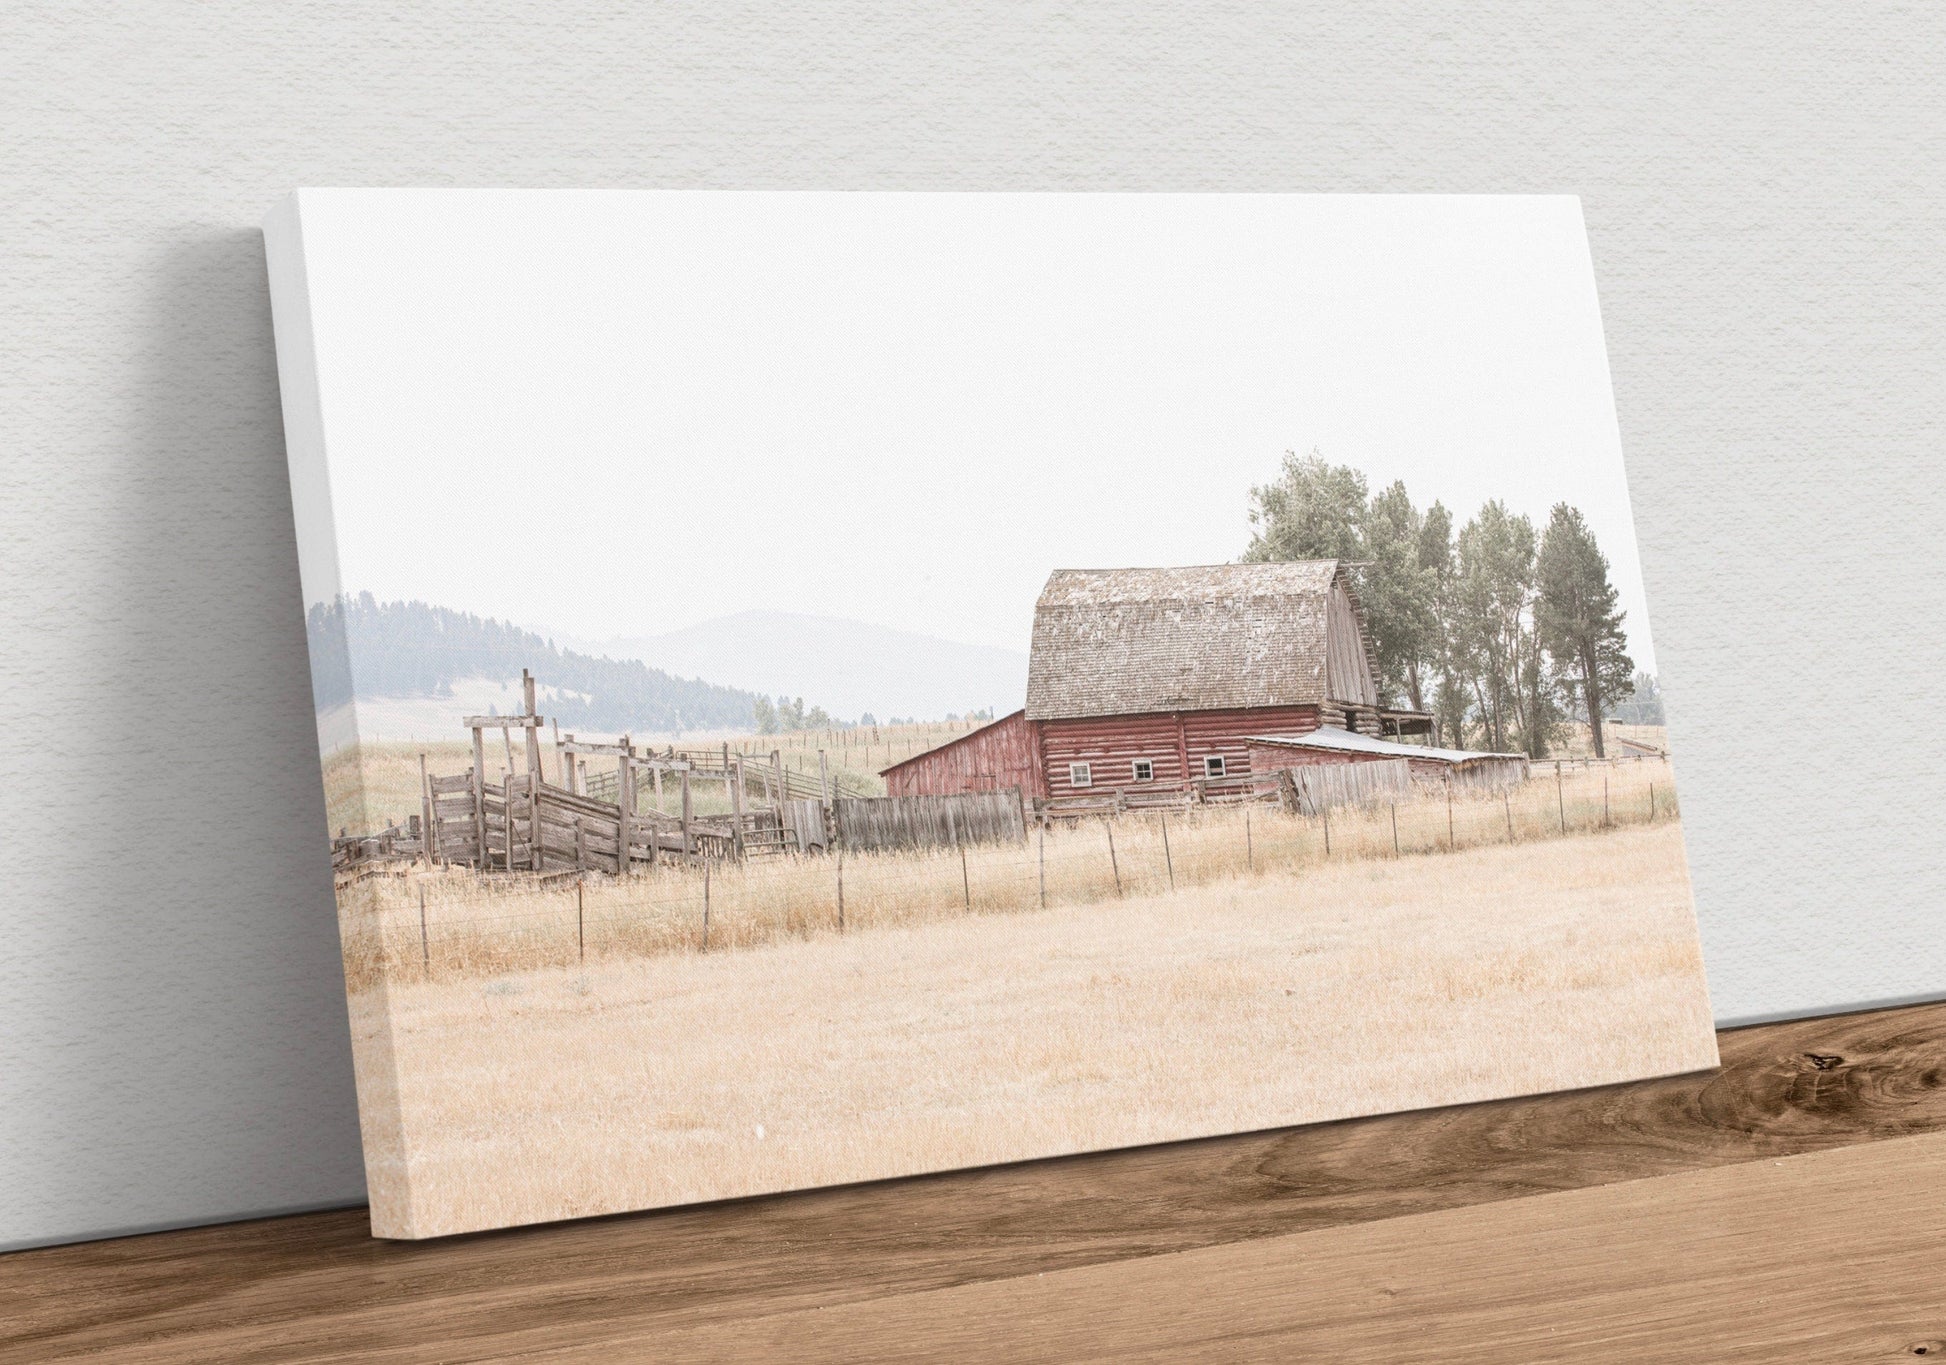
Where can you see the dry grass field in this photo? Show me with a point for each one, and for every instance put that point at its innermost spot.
(447, 923)
(1297, 994)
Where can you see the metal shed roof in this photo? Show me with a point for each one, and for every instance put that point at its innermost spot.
(1347, 741)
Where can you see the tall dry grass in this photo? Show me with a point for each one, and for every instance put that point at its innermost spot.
(458, 923)
(1293, 995)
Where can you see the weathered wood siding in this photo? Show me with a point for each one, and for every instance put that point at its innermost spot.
(993, 758)
(1488, 772)
(1176, 742)
(1347, 665)
(1320, 786)
(870, 823)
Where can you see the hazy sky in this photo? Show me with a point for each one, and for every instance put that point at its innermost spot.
(619, 413)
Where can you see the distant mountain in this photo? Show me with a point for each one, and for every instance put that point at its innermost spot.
(848, 667)
(412, 649)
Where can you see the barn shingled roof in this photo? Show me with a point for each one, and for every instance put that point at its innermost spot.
(1122, 641)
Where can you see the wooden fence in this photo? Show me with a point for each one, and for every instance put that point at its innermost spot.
(865, 824)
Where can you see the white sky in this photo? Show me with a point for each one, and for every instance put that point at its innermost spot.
(618, 413)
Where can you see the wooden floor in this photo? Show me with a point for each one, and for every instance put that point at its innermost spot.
(1791, 1207)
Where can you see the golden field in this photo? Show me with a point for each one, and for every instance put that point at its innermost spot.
(1299, 991)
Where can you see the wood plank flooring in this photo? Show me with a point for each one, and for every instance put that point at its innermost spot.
(1404, 1237)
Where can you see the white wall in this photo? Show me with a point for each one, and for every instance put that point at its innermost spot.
(1761, 188)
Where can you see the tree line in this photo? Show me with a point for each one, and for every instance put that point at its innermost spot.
(1500, 628)
(369, 648)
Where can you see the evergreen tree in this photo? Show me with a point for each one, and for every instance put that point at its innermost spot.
(1577, 616)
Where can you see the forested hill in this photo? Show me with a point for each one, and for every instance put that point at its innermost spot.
(411, 649)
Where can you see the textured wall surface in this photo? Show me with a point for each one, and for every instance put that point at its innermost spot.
(1761, 185)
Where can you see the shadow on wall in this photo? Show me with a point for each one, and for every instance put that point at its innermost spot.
(199, 1022)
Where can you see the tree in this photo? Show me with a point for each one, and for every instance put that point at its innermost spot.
(1577, 617)
(1314, 510)
(765, 716)
(1318, 510)
(1399, 591)
(1489, 620)
(1642, 705)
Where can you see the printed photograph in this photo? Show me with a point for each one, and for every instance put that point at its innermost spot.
(815, 688)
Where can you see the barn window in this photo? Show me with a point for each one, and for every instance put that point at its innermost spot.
(1144, 770)
(1213, 766)
(1080, 775)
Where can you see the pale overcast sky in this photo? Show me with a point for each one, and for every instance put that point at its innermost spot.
(615, 413)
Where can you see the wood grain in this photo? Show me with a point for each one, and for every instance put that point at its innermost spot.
(1835, 1256)
(319, 1287)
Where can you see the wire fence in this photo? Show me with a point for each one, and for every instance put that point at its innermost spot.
(449, 923)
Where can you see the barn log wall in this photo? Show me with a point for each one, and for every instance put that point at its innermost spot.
(992, 758)
(1176, 742)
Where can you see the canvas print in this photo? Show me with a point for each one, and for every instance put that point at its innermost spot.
(821, 687)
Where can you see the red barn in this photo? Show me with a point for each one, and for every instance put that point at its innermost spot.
(1158, 679)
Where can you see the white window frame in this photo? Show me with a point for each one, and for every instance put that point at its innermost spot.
(1136, 766)
(1081, 775)
(1215, 765)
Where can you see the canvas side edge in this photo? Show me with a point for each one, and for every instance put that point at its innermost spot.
(300, 391)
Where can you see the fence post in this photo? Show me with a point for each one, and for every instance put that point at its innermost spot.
(1395, 829)
(1113, 866)
(841, 888)
(1249, 848)
(824, 779)
(1325, 811)
(534, 818)
(688, 844)
(580, 922)
(733, 778)
(479, 800)
(705, 901)
(1041, 857)
(425, 946)
(1605, 821)
(965, 882)
(1560, 800)
(1451, 842)
(1508, 802)
(1652, 803)
(428, 835)
(625, 802)
(507, 815)
(1167, 859)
